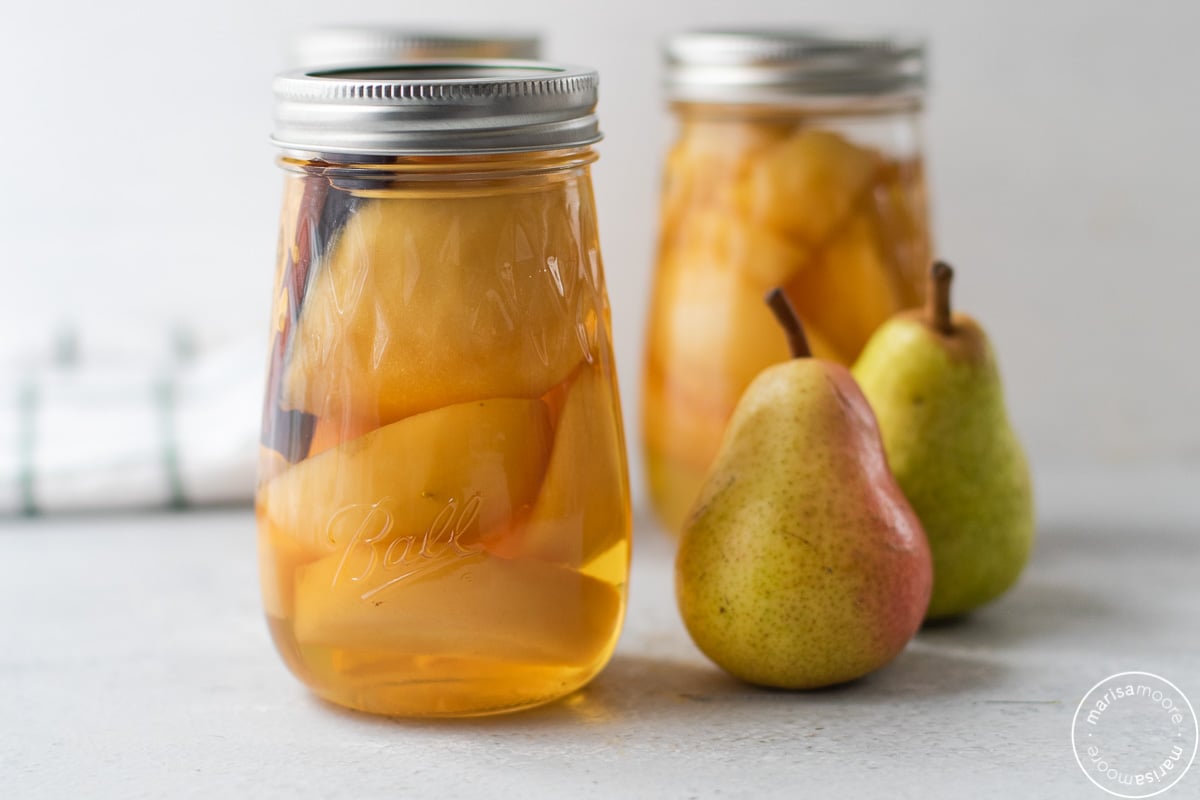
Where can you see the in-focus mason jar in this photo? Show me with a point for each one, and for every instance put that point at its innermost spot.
(353, 45)
(443, 502)
(797, 164)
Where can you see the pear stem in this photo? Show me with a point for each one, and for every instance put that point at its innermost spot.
(785, 312)
(937, 304)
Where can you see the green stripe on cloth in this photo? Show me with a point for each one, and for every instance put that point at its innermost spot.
(165, 401)
(66, 347)
(27, 400)
(183, 345)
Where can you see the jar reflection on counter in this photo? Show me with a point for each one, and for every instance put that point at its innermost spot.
(443, 504)
(790, 169)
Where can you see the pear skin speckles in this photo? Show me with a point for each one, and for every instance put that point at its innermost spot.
(940, 405)
(802, 564)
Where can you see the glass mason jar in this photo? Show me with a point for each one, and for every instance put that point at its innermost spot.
(798, 165)
(443, 504)
(380, 44)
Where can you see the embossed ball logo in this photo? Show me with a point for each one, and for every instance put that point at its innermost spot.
(1135, 734)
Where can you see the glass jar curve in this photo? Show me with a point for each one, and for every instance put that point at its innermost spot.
(441, 371)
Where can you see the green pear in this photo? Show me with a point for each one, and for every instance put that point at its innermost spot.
(931, 377)
(802, 564)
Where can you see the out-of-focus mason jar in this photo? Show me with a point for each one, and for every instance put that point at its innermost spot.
(354, 45)
(443, 502)
(798, 164)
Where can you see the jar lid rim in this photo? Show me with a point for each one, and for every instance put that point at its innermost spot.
(437, 106)
(761, 66)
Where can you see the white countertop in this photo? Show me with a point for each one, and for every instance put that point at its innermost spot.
(136, 663)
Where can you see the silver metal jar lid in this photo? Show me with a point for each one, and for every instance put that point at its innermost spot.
(777, 66)
(437, 108)
(353, 45)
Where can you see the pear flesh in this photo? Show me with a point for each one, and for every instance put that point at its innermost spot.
(940, 405)
(802, 565)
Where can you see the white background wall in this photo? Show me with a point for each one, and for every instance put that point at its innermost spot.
(1064, 138)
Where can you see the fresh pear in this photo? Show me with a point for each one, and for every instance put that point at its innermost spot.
(932, 380)
(801, 564)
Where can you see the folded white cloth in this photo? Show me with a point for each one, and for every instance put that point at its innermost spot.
(127, 417)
